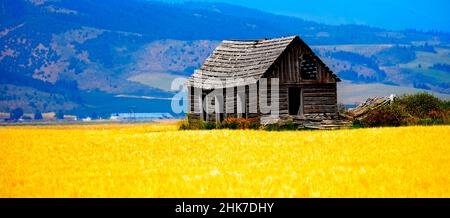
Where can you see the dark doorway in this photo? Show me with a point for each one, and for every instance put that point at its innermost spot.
(294, 100)
(203, 108)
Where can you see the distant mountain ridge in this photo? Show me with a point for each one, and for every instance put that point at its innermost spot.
(65, 55)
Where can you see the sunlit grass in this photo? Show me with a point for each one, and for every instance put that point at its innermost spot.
(157, 160)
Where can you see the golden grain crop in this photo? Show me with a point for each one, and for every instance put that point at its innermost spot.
(160, 161)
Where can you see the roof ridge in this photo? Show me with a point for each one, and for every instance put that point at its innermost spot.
(242, 59)
(262, 39)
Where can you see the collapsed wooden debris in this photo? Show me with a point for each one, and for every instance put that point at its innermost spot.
(370, 104)
(327, 124)
(308, 121)
(328, 121)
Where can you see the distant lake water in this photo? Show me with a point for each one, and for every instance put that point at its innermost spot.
(350, 106)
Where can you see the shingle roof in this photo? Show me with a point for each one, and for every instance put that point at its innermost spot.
(243, 61)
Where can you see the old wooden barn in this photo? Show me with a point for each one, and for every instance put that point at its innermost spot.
(307, 87)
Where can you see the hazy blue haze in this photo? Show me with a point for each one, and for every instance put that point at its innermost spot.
(78, 55)
(391, 14)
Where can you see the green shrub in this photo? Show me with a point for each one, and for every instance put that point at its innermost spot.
(191, 124)
(241, 123)
(390, 115)
(420, 105)
(436, 117)
(231, 123)
(254, 125)
(209, 125)
(430, 121)
(445, 105)
(357, 124)
(417, 109)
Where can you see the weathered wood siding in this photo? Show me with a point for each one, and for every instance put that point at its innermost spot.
(297, 66)
(319, 99)
(293, 61)
(319, 94)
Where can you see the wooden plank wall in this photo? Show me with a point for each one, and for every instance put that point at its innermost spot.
(266, 92)
(288, 67)
(319, 96)
(319, 99)
(230, 102)
(284, 99)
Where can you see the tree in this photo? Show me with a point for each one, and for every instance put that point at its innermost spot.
(105, 115)
(421, 104)
(94, 116)
(16, 113)
(27, 118)
(60, 115)
(38, 115)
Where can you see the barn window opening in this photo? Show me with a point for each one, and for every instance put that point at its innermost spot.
(308, 69)
(294, 100)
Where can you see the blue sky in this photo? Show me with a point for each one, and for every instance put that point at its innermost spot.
(391, 14)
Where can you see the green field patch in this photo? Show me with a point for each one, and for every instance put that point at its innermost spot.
(427, 59)
(162, 81)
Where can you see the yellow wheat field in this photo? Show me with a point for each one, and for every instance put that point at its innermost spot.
(157, 160)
